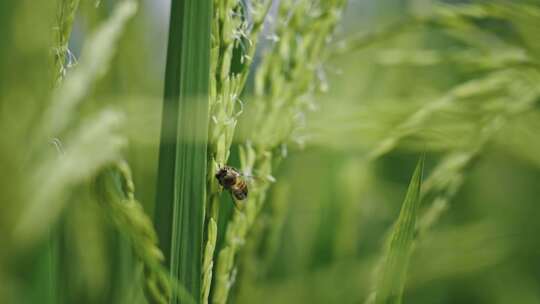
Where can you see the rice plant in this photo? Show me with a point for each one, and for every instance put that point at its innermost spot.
(389, 151)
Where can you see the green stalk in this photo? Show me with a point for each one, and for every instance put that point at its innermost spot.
(114, 190)
(234, 41)
(285, 77)
(181, 188)
(65, 16)
(66, 10)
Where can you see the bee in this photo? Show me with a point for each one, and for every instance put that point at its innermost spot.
(232, 180)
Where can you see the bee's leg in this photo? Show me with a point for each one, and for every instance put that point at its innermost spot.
(237, 205)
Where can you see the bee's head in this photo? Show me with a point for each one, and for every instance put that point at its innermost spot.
(220, 174)
(225, 177)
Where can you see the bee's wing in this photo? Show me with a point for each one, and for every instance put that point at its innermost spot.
(257, 179)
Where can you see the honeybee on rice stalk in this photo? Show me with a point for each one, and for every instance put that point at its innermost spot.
(233, 181)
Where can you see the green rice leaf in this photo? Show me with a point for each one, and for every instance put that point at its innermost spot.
(181, 189)
(394, 268)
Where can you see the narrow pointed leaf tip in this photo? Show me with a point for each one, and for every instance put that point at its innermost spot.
(393, 272)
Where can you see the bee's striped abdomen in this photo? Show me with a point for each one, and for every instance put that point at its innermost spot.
(240, 189)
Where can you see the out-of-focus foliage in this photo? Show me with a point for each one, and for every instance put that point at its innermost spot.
(459, 81)
(81, 86)
(57, 243)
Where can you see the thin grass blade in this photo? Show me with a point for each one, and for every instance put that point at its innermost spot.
(394, 268)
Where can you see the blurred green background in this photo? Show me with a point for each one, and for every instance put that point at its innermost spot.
(476, 77)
